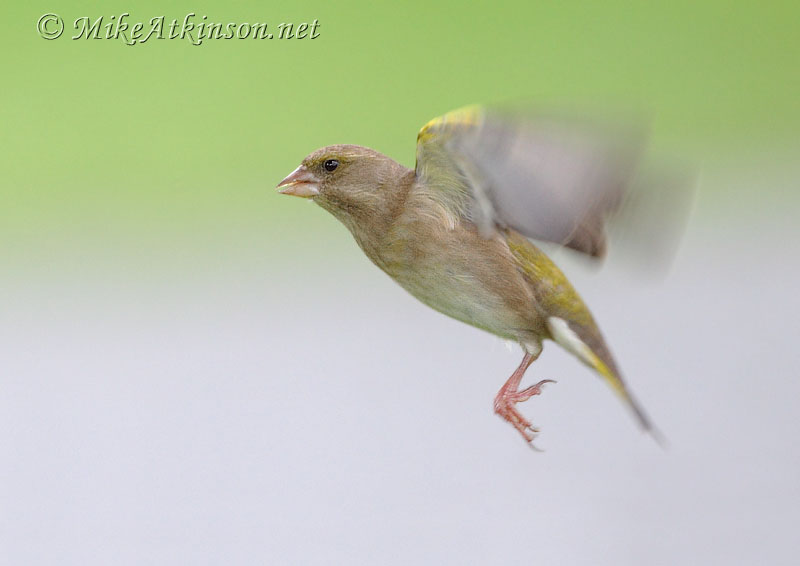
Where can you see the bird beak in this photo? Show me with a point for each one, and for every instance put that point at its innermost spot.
(300, 183)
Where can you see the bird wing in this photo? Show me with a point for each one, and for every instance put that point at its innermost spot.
(548, 178)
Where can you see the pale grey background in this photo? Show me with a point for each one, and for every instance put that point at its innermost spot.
(244, 409)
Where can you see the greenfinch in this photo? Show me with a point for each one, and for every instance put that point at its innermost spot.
(454, 232)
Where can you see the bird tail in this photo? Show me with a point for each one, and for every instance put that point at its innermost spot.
(599, 359)
(615, 382)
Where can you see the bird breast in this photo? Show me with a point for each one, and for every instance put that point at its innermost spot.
(448, 266)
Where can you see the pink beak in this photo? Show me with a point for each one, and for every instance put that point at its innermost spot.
(300, 183)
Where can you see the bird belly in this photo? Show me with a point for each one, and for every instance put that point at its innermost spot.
(463, 293)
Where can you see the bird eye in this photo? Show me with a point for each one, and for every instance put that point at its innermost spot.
(330, 164)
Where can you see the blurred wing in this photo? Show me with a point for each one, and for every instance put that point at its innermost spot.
(551, 179)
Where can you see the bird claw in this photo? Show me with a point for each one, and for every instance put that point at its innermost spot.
(504, 406)
(533, 447)
(531, 433)
(529, 392)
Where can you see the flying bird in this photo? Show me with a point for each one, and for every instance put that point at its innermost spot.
(456, 231)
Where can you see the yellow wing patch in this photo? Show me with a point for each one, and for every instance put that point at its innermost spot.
(467, 116)
(561, 297)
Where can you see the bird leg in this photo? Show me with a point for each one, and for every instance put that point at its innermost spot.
(508, 396)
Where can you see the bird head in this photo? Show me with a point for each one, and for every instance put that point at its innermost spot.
(358, 185)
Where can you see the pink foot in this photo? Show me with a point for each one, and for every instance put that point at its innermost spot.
(504, 403)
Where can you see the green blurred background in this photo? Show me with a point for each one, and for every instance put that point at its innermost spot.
(137, 147)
